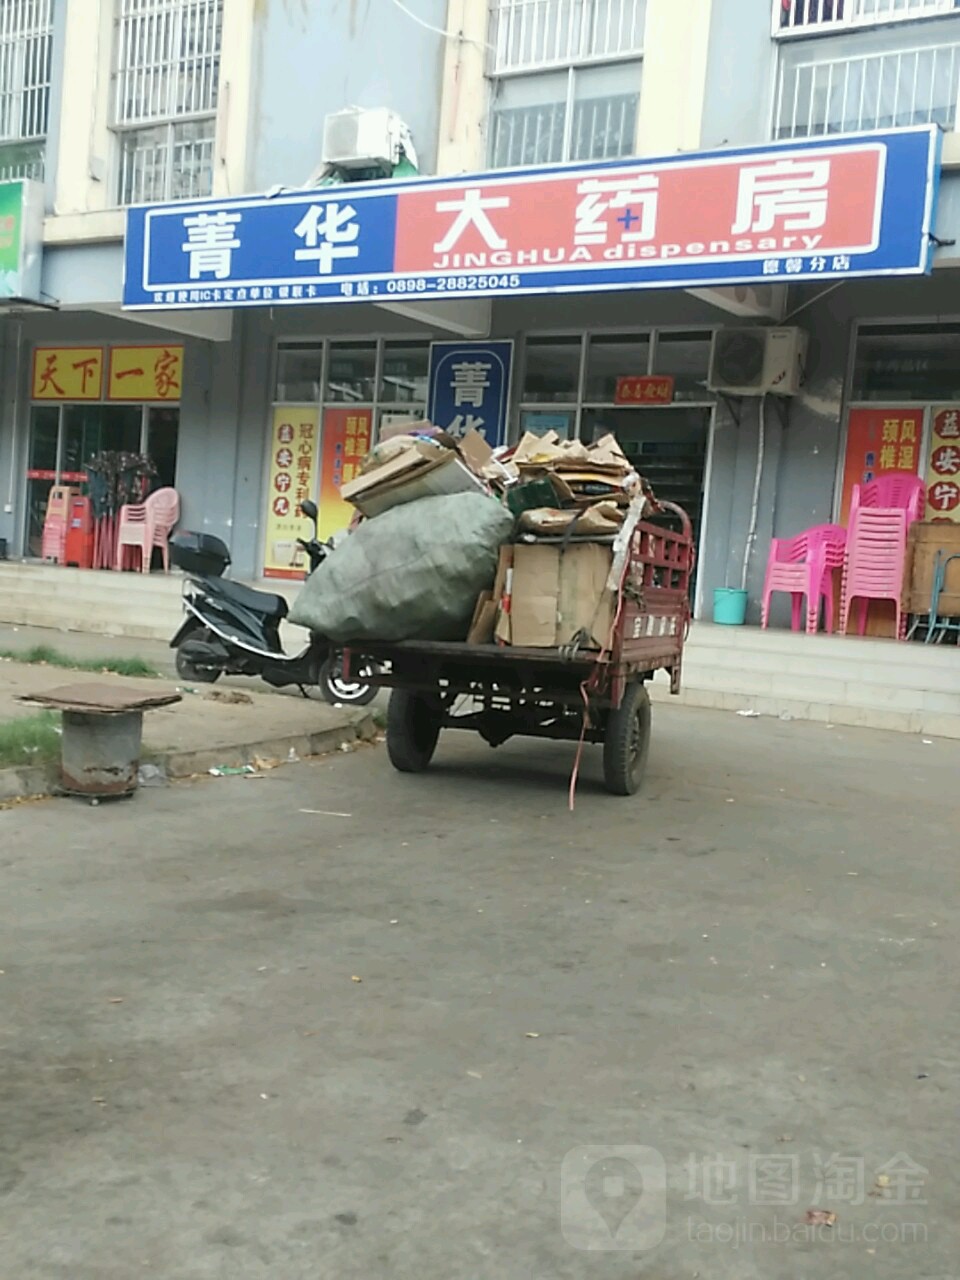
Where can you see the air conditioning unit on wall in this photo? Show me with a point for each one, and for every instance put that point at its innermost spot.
(356, 138)
(757, 361)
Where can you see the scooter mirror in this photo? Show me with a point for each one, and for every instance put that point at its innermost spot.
(309, 509)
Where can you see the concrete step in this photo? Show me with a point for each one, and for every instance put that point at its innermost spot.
(707, 637)
(908, 673)
(142, 606)
(142, 627)
(928, 723)
(824, 688)
(101, 583)
(890, 663)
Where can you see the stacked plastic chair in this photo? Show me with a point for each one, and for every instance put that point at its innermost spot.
(805, 566)
(876, 555)
(55, 523)
(146, 525)
(903, 489)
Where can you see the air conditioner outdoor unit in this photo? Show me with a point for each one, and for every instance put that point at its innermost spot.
(754, 362)
(357, 138)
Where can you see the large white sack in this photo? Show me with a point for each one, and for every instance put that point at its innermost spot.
(412, 573)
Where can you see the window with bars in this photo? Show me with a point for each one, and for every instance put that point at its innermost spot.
(26, 37)
(565, 78)
(166, 77)
(869, 79)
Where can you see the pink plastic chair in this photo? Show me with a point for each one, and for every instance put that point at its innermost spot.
(903, 489)
(163, 507)
(133, 530)
(147, 525)
(804, 566)
(876, 555)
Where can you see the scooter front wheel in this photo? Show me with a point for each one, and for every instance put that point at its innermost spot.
(336, 688)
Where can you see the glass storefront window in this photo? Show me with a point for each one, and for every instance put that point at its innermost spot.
(686, 357)
(403, 379)
(552, 370)
(44, 428)
(610, 358)
(299, 371)
(96, 428)
(163, 428)
(900, 363)
(542, 421)
(44, 431)
(351, 373)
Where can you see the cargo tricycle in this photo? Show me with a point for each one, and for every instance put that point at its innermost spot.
(569, 693)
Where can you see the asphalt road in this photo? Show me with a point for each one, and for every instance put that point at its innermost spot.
(340, 1022)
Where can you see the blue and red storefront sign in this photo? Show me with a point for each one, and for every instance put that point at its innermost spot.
(859, 205)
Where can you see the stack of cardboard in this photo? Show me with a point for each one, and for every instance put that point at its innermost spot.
(593, 485)
(553, 585)
(549, 596)
(421, 463)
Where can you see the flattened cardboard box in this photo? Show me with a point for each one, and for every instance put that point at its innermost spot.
(585, 603)
(535, 595)
(413, 458)
(427, 479)
(504, 568)
(558, 593)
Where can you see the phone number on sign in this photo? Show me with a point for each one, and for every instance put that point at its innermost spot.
(444, 284)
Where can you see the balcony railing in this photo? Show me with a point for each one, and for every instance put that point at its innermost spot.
(528, 35)
(873, 91)
(807, 17)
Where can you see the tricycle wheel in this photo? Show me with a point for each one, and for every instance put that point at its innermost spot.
(626, 741)
(413, 726)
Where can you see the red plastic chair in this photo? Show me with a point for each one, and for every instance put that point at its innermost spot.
(903, 489)
(876, 555)
(56, 522)
(804, 566)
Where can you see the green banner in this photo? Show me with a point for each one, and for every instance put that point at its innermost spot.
(21, 236)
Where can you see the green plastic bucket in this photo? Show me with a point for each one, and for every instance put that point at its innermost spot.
(729, 606)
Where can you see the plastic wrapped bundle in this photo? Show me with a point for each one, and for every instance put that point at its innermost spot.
(413, 573)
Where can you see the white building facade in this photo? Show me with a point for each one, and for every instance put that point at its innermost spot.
(647, 215)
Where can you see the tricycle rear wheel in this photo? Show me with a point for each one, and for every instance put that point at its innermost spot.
(626, 741)
(413, 727)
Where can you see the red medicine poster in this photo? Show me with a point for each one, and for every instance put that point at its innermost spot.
(879, 440)
(345, 442)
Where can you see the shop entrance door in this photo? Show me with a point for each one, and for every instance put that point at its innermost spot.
(668, 446)
(63, 439)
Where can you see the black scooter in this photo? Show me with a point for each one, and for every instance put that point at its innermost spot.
(232, 629)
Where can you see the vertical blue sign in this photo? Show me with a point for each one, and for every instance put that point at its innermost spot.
(469, 386)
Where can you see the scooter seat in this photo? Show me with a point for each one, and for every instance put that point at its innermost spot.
(263, 602)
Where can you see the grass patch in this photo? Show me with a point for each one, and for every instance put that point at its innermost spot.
(30, 740)
(46, 655)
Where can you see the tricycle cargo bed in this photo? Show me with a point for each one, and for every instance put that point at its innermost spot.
(424, 663)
